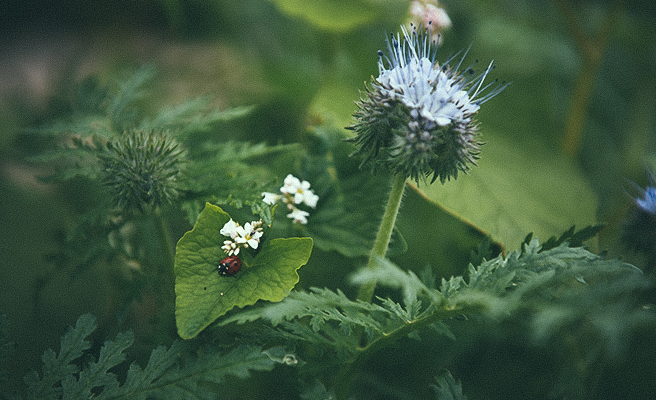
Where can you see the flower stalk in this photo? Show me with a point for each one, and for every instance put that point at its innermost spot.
(384, 232)
(417, 121)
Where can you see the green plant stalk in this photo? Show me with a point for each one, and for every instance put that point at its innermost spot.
(347, 375)
(366, 292)
(165, 278)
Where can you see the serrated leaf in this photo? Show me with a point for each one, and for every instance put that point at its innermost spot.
(170, 374)
(192, 115)
(163, 378)
(57, 368)
(202, 295)
(447, 387)
(388, 274)
(96, 374)
(159, 362)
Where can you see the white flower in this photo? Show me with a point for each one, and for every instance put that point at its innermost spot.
(294, 191)
(434, 94)
(303, 194)
(245, 236)
(249, 235)
(229, 229)
(291, 185)
(270, 198)
(310, 199)
(299, 216)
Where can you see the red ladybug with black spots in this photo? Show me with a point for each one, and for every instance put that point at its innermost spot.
(229, 266)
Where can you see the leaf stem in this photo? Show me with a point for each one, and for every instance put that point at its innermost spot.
(350, 371)
(592, 48)
(366, 292)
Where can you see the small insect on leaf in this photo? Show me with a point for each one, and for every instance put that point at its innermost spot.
(229, 266)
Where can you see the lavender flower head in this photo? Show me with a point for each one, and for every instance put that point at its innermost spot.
(648, 200)
(417, 117)
(639, 228)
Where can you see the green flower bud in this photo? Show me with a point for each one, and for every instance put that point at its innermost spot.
(417, 118)
(141, 169)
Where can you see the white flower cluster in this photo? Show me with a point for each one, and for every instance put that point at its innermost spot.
(242, 236)
(294, 191)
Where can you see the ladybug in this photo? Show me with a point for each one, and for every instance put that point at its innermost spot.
(229, 266)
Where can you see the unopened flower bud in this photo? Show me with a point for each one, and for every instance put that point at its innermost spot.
(141, 168)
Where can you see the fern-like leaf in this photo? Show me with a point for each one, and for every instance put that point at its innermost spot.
(122, 107)
(447, 388)
(97, 375)
(57, 368)
(191, 116)
(322, 308)
(164, 377)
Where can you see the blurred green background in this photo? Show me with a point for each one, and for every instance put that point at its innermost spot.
(564, 141)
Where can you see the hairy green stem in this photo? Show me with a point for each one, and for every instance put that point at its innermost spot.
(366, 292)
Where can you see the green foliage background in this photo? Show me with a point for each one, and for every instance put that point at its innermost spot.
(287, 74)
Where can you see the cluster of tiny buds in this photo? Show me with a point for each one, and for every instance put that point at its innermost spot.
(242, 236)
(294, 192)
(429, 12)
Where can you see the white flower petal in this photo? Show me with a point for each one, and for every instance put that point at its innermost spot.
(299, 216)
(229, 229)
(310, 199)
(270, 198)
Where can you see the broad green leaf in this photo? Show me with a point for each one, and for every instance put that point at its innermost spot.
(437, 237)
(334, 15)
(518, 189)
(352, 200)
(202, 295)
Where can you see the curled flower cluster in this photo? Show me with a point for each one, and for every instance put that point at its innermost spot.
(294, 192)
(242, 236)
(417, 117)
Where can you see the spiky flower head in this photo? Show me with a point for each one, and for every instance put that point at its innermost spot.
(141, 169)
(417, 117)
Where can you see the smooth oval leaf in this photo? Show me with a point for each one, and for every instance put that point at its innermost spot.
(331, 15)
(202, 295)
(517, 189)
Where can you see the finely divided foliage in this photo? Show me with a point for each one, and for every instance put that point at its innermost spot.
(165, 375)
(572, 281)
(562, 276)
